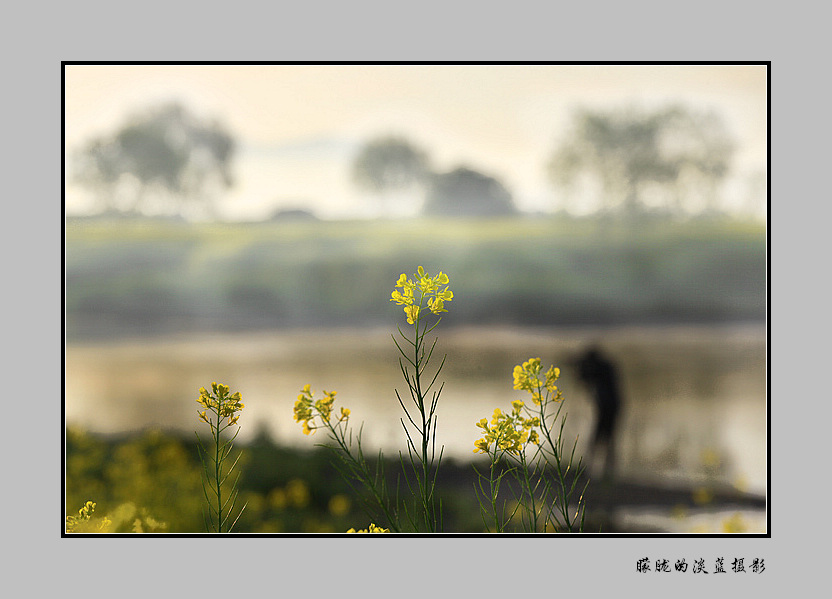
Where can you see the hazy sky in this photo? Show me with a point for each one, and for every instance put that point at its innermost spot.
(298, 126)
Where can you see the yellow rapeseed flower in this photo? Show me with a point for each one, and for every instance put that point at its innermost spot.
(314, 413)
(431, 292)
(528, 377)
(402, 299)
(481, 446)
(412, 313)
(511, 431)
(373, 529)
(220, 403)
(436, 305)
(508, 431)
(324, 405)
(497, 416)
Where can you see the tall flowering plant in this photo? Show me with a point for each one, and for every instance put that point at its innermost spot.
(221, 412)
(527, 444)
(423, 298)
(367, 481)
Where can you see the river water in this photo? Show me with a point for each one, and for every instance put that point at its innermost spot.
(695, 397)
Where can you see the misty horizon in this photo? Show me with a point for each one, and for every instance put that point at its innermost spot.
(294, 149)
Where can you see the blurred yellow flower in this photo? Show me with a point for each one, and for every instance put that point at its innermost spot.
(736, 524)
(741, 484)
(703, 496)
(278, 499)
(297, 491)
(679, 511)
(339, 505)
(710, 458)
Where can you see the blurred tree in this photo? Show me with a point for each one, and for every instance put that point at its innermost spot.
(466, 192)
(677, 152)
(700, 147)
(390, 167)
(163, 160)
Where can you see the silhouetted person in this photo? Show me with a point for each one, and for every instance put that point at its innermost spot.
(600, 375)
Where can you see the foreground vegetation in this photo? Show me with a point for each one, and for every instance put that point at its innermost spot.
(150, 482)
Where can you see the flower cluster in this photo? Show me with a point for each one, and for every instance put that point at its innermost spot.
(508, 432)
(429, 289)
(308, 409)
(83, 522)
(84, 514)
(220, 403)
(373, 528)
(528, 377)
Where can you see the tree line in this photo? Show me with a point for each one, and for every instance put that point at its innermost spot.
(630, 160)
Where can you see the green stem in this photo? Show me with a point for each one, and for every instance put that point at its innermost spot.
(361, 470)
(527, 483)
(426, 499)
(421, 406)
(217, 474)
(494, 488)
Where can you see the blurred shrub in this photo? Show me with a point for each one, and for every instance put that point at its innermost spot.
(152, 470)
(150, 482)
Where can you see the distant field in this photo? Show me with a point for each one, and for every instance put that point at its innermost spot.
(147, 277)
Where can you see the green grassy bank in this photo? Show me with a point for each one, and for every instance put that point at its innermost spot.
(146, 277)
